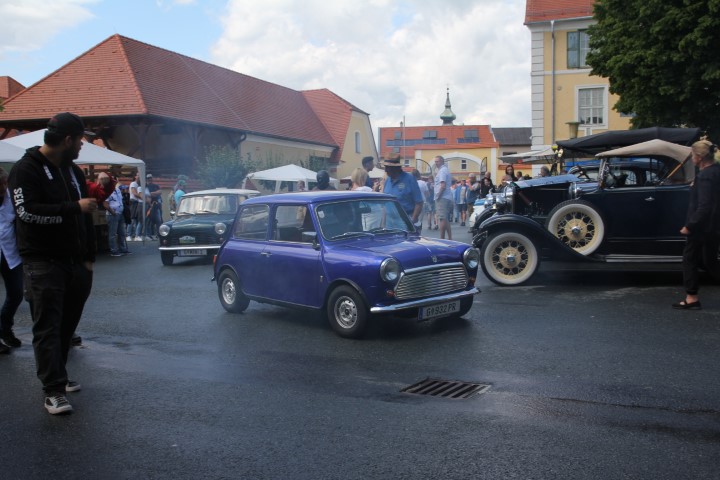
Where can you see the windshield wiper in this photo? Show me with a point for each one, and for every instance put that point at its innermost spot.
(352, 234)
(389, 230)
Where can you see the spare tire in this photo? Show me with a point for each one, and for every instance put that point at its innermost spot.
(577, 224)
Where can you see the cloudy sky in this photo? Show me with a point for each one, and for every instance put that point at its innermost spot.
(390, 58)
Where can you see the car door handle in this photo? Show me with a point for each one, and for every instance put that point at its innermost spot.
(650, 199)
(266, 254)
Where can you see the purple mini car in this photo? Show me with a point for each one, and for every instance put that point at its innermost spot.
(349, 255)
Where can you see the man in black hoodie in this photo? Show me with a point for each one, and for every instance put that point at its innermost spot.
(57, 244)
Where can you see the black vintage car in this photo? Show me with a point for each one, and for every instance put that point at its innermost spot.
(630, 214)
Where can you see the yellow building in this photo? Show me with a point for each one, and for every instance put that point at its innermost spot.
(566, 100)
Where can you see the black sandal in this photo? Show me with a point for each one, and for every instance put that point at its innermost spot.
(687, 306)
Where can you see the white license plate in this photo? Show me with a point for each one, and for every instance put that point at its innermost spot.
(197, 252)
(439, 310)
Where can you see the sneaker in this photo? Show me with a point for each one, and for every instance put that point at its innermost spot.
(126, 253)
(116, 254)
(56, 403)
(4, 349)
(76, 340)
(10, 339)
(137, 239)
(73, 386)
(148, 239)
(129, 238)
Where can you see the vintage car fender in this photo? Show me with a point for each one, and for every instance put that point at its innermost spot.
(545, 242)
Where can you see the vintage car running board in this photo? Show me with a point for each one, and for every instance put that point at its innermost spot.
(617, 258)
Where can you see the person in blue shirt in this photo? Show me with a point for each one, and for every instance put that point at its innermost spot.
(404, 186)
(10, 268)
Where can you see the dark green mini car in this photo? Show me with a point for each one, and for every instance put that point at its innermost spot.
(201, 223)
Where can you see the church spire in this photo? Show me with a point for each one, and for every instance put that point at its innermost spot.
(448, 116)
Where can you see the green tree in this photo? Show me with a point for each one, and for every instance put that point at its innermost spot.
(660, 57)
(223, 167)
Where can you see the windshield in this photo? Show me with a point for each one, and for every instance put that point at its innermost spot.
(362, 218)
(215, 204)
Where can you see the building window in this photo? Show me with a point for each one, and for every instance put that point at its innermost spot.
(407, 162)
(357, 142)
(591, 106)
(398, 135)
(396, 150)
(430, 134)
(578, 46)
(463, 164)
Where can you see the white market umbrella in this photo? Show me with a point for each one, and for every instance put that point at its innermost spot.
(287, 173)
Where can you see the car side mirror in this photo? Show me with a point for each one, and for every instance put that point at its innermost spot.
(311, 237)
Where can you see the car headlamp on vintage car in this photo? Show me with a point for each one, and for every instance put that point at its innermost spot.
(471, 258)
(390, 270)
(489, 200)
(220, 228)
(164, 230)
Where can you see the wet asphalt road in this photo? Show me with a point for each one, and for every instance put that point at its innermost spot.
(591, 377)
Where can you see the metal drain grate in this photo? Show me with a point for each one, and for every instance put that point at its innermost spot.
(452, 389)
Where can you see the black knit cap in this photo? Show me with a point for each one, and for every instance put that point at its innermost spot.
(67, 124)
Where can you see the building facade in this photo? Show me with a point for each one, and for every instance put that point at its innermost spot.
(566, 100)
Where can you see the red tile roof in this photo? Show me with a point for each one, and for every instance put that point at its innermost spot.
(121, 76)
(334, 113)
(451, 134)
(546, 10)
(9, 87)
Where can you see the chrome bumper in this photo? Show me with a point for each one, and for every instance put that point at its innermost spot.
(425, 301)
(175, 248)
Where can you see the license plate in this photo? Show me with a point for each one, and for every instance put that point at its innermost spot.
(439, 310)
(197, 252)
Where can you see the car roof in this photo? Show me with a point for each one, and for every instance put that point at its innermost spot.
(222, 191)
(317, 196)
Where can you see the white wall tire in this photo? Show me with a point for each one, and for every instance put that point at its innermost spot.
(509, 258)
(577, 224)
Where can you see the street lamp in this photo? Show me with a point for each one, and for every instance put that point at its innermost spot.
(402, 126)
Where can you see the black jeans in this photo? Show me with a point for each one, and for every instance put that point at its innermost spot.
(13, 278)
(57, 292)
(700, 251)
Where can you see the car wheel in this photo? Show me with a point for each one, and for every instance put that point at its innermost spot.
(231, 296)
(347, 312)
(167, 258)
(465, 306)
(577, 224)
(509, 258)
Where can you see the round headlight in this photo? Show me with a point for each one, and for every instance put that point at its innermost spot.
(390, 270)
(471, 258)
(164, 230)
(220, 228)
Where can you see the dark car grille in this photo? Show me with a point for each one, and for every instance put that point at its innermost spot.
(437, 281)
(200, 239)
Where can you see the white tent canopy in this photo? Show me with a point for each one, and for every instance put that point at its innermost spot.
(288, 173)
(89, 154)
(545, 155)
(375, 173)
(10, 153)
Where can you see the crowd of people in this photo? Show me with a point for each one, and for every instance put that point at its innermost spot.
(48, 241)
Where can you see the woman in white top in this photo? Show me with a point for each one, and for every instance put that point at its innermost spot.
(359, 179)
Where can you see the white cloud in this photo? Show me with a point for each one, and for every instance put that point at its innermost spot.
(28, 25)
(389, 58)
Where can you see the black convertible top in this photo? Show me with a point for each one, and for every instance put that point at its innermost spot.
(601, 142)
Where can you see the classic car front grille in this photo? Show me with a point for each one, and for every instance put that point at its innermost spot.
(200, 239)
(436, 281)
